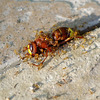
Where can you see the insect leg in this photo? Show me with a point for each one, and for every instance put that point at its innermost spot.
(65, 41)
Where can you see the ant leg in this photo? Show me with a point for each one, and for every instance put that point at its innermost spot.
(65, 41)
(55, 43)
(45, 57)
(27, 55)
(70, 39)
(40, 65)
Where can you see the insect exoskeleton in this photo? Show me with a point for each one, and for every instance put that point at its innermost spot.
(32, 48)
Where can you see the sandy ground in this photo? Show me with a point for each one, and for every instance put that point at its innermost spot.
(73, 74)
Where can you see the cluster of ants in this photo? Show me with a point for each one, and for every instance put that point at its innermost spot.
(45, 43)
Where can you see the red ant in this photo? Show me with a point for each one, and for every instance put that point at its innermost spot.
(45, 43)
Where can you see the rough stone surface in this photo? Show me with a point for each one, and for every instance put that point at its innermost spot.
(73, 74)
